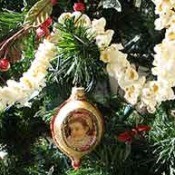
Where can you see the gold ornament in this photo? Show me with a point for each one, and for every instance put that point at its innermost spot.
(77, 126)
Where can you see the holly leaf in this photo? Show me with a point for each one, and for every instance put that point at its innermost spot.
(14, 53)
(112, 4)
(38, 13)
(14, 46)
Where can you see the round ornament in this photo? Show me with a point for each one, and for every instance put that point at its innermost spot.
(4, 65)
(77, 126)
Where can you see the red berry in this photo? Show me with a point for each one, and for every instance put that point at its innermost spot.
(126, 136)
(53, 2)
(42, 31)
(47, 22)
(79, 6)
(4, 65)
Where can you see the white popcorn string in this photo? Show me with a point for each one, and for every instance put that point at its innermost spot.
(137, 90)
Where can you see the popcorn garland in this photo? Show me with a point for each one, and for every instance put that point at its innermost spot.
(32, 81)
(137, 90)
(165, 9)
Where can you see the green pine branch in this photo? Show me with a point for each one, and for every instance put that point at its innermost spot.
(9, 21)
(162, 137)
(78, 57)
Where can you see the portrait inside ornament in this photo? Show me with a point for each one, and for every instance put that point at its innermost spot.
(80, 130)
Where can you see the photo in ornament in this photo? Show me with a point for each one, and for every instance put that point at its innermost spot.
(80, 130)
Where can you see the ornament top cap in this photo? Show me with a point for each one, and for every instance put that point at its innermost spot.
(78, 93)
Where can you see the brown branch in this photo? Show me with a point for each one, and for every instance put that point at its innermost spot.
(14, 37)
(4, 44)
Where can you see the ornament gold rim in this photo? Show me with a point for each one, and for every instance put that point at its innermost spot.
(99, 122)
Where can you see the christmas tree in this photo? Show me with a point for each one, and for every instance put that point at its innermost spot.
(120, 51)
